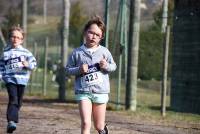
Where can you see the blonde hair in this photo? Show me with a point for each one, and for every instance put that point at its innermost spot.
(16, 28)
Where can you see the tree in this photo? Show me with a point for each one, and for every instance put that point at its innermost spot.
(24, 19)
(64, 49)
(11, 17)
(2, 38)
(77, 20)
(151, 46)
(133, 52)
(150, 53)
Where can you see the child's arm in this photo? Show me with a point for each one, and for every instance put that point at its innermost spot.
(30, 62)
(2, 64)
(107, 63)
(71, 67)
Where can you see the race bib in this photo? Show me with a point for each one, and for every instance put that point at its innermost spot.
(93, 76)
(13, 65)
(91, 79)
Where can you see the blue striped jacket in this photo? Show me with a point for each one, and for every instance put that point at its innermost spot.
(11, 68)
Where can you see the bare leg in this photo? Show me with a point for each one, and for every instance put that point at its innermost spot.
(99, 112)
(85, 109)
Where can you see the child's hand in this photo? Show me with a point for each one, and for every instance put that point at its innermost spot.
(103, 63)
(84, 68)
(25, 63)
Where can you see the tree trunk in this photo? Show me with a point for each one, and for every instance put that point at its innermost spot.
(24, 19)
(2, 38)
(64, 49)
(132, 70)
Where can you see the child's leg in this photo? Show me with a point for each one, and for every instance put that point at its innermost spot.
(20, 95)
(85, 109)
(12, 109)
(15, 93)
(99, 111)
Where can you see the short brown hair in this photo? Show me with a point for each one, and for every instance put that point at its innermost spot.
(98, 21)
(16, 28)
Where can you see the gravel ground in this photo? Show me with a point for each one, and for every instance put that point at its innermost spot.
(48, 117)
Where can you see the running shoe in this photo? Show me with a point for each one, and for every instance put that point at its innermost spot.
(11, 127)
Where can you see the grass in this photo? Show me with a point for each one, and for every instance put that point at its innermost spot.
(38, 27)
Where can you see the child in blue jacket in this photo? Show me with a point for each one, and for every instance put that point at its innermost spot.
(91, 64)
(16, 64)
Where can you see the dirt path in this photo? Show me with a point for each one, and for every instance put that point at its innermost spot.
(47, 117)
